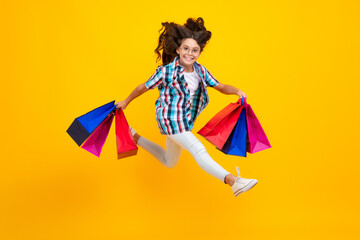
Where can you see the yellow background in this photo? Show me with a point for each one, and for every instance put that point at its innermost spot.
(298, 62)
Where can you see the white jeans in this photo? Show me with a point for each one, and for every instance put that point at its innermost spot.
(174, 145)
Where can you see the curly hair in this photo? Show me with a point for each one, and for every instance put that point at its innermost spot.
(174, 34)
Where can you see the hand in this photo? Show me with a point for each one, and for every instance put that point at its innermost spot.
(121, 104)
(241, 94)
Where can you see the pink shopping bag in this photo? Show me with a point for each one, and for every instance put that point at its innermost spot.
(256, 140)
(96, 140)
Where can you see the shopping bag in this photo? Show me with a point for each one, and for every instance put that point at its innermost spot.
(237, 142)
(257, 140)
(126, 146)
(219, 128)
(95, 142)
(83, 126)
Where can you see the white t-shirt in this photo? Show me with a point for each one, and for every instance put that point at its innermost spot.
(193, 80)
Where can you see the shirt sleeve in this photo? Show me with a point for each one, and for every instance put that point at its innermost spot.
(210, 80)
(155, 79)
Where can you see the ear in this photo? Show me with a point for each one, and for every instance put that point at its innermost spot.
(178, 51)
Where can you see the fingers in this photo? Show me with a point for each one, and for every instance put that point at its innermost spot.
(121, 104)
(243, 96)
(118, 106)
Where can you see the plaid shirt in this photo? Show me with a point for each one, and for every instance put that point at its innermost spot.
(173, 109)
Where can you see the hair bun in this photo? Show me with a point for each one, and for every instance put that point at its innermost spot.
(195, 25)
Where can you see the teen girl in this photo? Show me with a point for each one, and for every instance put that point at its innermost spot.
(182, 83)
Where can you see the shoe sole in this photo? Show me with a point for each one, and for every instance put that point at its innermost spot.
(246, 188)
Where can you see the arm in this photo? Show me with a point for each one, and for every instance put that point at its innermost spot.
(134, 94)
(228, 89)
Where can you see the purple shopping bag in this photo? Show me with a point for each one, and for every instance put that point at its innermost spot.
(257, 140)
(96, 140)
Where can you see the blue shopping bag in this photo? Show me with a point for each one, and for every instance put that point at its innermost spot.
(83, 126)
(236, 143)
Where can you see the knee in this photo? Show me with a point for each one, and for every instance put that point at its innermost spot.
(170, 163)
(199, 150)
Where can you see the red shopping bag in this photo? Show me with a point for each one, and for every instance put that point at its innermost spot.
(257, 140)
(126, 146)
(219, 128)
(96, 140)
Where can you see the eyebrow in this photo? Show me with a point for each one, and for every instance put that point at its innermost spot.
(188, 46)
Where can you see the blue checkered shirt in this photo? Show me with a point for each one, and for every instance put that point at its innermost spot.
(173, 109)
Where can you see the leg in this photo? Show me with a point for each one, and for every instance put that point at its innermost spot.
(188, 141)
(168, 158)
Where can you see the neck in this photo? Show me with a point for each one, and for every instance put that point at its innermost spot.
(189, 69)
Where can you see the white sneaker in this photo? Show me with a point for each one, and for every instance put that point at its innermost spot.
(242, 184)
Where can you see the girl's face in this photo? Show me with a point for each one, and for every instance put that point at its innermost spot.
(189, 52)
